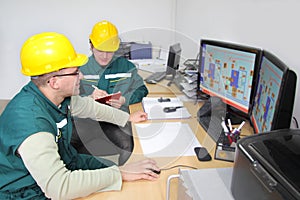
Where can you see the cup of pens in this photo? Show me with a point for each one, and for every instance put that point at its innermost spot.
(231, 135)
(225, 148)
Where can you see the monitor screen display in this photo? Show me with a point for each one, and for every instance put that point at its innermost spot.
(274, 95)
(228, 71)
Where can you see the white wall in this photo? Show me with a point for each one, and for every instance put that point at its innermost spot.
(267, 24)
(136, 20)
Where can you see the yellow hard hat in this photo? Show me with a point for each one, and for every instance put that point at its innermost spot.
(48, 52)
(104, 36)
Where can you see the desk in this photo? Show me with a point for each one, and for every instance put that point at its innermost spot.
(156, 190)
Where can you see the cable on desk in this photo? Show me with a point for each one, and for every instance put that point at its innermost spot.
(178, 166)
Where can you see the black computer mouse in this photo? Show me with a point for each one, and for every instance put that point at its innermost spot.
(155, 171)
(169, 109)
(202, 154)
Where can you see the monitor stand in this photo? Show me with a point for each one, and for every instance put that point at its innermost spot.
(170, 77)
(235, 116)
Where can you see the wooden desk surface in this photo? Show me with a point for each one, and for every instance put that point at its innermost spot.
(156, 190)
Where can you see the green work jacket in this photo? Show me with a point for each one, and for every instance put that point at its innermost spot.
(119, 75)
(30, 112)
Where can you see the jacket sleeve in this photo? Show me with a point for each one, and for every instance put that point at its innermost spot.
(86, 107)
(137, 90)
(56, 181)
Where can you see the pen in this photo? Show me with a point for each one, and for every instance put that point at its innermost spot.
(224, 127)
(234, 131)
(229, 124)
(95, 87)
(241, 125)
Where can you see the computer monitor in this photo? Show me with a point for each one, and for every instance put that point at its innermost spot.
(229, 71)
(274, 97)
(173, 59)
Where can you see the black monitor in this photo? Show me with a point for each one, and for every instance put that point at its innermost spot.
(173, 60)
(228, 71)
(275, 93)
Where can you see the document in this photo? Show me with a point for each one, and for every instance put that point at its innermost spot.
(157, 108)
(167, 139)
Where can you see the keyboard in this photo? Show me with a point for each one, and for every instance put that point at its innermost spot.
(156, 77)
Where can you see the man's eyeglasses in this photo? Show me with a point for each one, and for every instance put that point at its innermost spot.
(70, 74)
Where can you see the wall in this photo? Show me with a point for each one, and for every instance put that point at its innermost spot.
(136, 20)
(268, 24)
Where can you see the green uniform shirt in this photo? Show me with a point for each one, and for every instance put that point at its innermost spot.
(27, 113)
(119, 75)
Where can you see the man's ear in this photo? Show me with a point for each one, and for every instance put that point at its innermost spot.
(54, 82)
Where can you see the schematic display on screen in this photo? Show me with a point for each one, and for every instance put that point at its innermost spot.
(270, 78)
(228, 73)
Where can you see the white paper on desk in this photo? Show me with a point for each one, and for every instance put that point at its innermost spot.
(167, 139)
(154, 108)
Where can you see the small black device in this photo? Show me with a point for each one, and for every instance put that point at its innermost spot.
(171, 109)
(202, 154)
(164, 99)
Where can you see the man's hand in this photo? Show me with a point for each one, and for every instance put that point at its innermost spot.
(140, 170)
(116, 103)
(97, 93)
(138, 116)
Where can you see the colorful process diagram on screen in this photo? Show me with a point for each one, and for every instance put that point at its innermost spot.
(228, 73)
(270, 79)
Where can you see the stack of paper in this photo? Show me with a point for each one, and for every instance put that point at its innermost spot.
(155, 108)
(167, 139)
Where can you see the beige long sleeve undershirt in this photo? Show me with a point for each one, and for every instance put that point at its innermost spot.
(39, 153)
(86, 107)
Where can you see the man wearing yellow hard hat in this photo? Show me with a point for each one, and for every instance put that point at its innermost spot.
(109, 74)
(36, 158)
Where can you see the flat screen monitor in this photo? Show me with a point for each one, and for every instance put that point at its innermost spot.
(173, 59)
(274, 97)
(228, 71)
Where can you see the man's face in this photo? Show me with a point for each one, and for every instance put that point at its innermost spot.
(102, 57)
(70, 80)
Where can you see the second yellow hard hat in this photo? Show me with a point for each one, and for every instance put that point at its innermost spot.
(104, 37)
